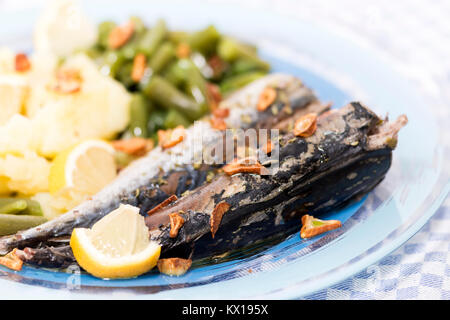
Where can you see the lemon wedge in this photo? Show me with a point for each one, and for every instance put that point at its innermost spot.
(117, 246)
(86, 167)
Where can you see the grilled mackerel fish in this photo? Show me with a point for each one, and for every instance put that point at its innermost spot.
(347, 156)
(139, 184)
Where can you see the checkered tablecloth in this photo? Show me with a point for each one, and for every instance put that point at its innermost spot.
(414, 35)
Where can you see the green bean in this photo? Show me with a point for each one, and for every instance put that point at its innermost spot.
(187, 74)
(195, 92)
(13, 207)
(195, 84)
(152, 38)
(177, 88)
(168, 96)
(139, 25)
(250, 48)
(93, 52)
(204, 41)
(162, 56)
(10, 224)
(230, 50)
(156, 121)
(193, 74)
(130, 49)
(104, 29)
(113, 60)
(236, 82)
(178, 37)
(124, 75)
(174, 74)
(140, 108)
(207, 71)
(174, 119)
(32, 207)
(244, 65)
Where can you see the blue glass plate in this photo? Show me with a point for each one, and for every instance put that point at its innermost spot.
(339, 71)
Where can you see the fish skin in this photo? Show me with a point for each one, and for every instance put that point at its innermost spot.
(266, 224)
(141, 172)
(338, 147)
(48, 256)
(342, 188)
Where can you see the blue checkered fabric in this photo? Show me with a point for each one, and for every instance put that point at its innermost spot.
(420, 269)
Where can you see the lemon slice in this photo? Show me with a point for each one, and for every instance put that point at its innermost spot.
(86, 167)
(117, 246)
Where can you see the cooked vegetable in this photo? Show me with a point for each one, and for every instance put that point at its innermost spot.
(236, 82)
(174, 69)
(175, 119)
(164, 54)
(139, 66)
(114, 61)
(20, 205)
(244, 65)
(204, 41)
(230, 50)
(168, 96)
(152, 38)
(140, 109)
(10, 223)
(120, 35)
(13, 207)
(104, 30)
(22, 64)
(195, 83)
